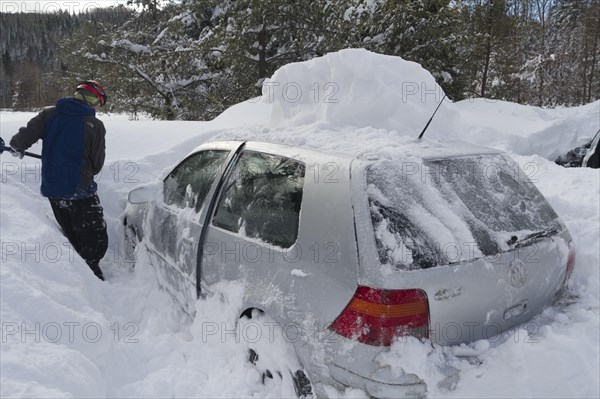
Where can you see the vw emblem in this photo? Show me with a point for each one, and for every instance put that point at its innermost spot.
(517, 275)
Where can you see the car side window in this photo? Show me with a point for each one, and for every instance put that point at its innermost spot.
(188, 184)
(261, 198)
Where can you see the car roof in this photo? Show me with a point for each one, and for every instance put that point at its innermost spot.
(424, 149)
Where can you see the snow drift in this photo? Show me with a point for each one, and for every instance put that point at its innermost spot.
(150, 349)
(527, 130)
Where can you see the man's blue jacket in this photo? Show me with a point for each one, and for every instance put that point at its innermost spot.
(73, 148)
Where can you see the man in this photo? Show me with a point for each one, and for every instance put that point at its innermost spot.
(73, 152)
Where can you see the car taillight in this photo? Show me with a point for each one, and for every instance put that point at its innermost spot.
(570, 261)
(378, 316)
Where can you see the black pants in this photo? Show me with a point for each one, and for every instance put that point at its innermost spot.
(82, 222)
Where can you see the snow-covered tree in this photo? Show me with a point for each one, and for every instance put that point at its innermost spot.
(571, 68)
(152, 62)
(424, 31)
(191, 59)
(256, 37)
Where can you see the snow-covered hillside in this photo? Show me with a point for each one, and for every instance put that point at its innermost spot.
(67, 334)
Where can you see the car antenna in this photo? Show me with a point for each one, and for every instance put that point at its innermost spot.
(430, 119)
(438, 107)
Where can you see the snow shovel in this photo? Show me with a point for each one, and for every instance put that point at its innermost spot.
(9, 149)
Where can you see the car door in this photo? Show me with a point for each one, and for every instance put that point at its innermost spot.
(255, 221)
(176, 222)
(283, 227)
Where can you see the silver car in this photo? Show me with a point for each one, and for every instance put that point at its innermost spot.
(346, 254)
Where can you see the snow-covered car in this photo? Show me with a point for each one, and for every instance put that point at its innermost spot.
(351, 253)
(587, 155)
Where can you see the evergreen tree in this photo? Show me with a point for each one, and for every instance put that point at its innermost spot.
(147, 63)
(256, 37)
(424, 31)
(7, 65)
(575, 44)
(191, 59)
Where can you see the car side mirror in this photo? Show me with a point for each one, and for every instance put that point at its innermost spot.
(145, 194)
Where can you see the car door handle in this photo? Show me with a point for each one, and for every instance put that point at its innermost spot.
(515, 310)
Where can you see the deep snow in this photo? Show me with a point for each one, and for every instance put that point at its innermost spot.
(126, 338)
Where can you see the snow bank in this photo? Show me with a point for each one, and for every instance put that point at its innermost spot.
(527, 130)
(150, 349)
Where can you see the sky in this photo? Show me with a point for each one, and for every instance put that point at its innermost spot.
(72, 6)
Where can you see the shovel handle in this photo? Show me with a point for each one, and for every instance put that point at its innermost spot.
(26, 153)
(32, 155)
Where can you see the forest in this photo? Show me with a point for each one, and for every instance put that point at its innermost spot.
(192, 59)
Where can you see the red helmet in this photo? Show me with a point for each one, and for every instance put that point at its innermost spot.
(94, 88)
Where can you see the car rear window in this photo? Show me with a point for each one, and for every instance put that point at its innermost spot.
(452, 210)
(261, 198)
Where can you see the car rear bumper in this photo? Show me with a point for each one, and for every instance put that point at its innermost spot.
(355, 365)
(378, 389)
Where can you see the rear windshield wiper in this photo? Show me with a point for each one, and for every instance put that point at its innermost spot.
(527, 238)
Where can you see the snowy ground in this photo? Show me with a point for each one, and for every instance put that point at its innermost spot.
(66, 334)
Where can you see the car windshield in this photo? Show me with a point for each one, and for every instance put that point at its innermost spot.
(447, 211)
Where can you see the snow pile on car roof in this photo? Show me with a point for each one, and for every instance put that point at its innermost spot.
(355, 102)
(353, 87)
